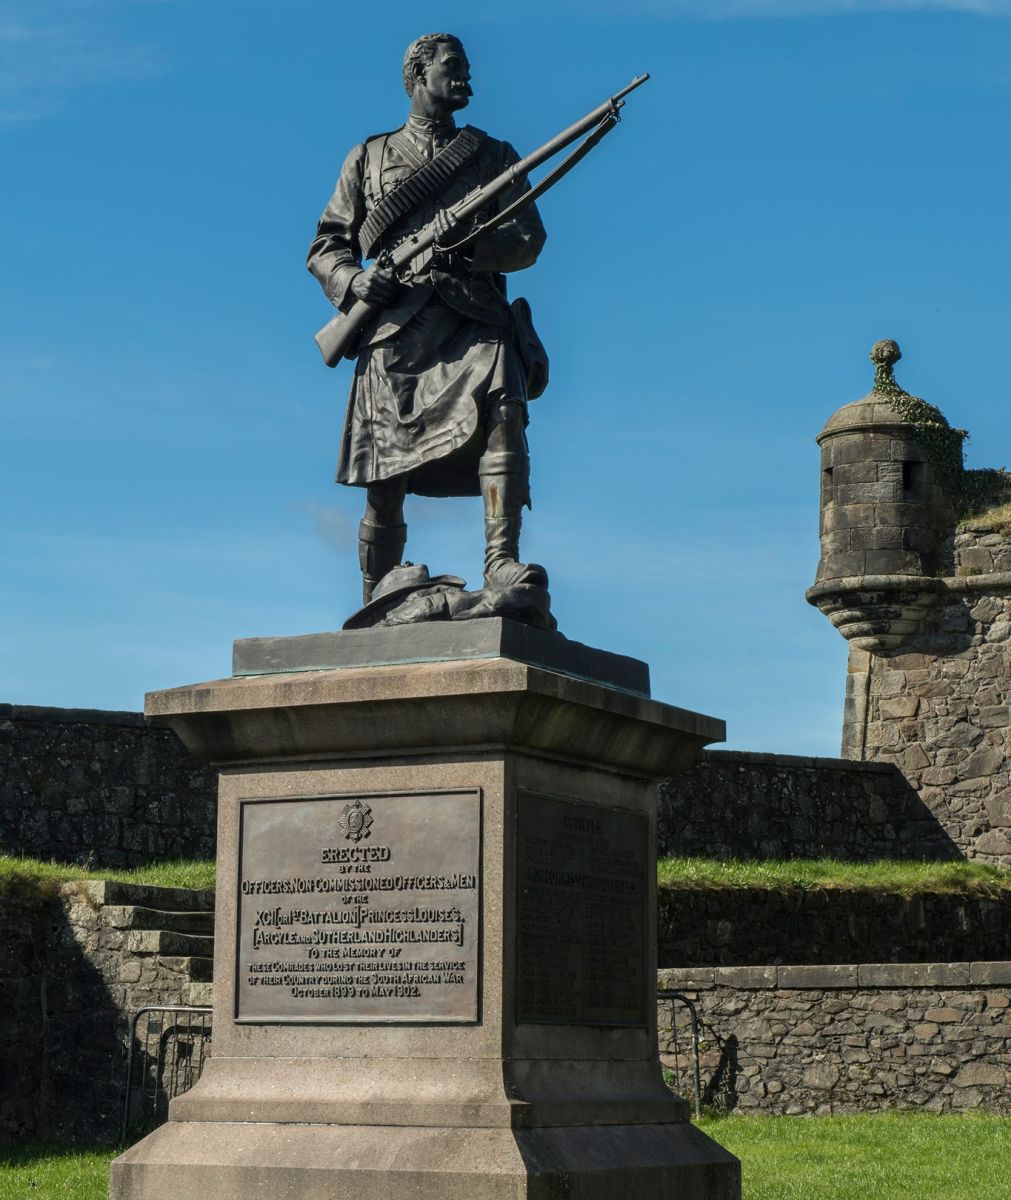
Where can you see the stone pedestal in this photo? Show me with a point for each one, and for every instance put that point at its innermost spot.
(435, 951)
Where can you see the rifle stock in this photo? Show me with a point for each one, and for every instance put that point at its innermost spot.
(340, 333)
(339, 336)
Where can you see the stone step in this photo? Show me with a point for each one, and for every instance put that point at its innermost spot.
(198, 968)
(107, 891)
(201, 995)
(167, 942)
(135, 916)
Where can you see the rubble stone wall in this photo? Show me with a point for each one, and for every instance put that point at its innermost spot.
(100, 789)
(751, 926)
(848, 1039)
(23, 937)
(733, 804)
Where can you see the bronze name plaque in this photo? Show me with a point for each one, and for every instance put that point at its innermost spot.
(582, 923)
(359, 908)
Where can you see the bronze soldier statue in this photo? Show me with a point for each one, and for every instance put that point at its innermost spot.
(438, 402)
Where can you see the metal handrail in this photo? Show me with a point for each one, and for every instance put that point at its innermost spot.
(191, 1010)
(693, 1018)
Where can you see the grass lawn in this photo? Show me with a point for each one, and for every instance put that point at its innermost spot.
(54, 1173)
(32, 877)
(886, 875)
(894, 1156)
(883, 1156)
(29, 876)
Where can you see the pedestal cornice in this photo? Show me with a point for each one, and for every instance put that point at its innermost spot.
(430, 707)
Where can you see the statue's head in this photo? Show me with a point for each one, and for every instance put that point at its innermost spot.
(438, 63)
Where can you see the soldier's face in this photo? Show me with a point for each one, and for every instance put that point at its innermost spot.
(447, 77)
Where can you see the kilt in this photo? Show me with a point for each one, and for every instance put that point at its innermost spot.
(419, 398)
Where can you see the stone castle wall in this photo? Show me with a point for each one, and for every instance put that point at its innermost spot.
(982, 549)
(24, 928)
(100, 789)
(752, 926)
(847, 1039)
(939, 708)
(733, 804)
(109, 789)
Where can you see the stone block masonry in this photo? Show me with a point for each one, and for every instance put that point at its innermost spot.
(103, 789)
(851, 1038)
(939, 711)
(733, 804)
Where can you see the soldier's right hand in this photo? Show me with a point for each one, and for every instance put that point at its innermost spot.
(377, 286)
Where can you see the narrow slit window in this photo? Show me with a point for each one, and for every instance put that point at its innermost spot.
(827, 491)
(914, 480)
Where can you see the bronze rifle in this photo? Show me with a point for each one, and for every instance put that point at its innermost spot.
(339, 337)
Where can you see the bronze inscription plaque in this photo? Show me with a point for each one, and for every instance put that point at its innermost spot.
(582, 920)
(359, 908)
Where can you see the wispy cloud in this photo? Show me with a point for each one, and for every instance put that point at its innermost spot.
(335, 528)
(51, 49)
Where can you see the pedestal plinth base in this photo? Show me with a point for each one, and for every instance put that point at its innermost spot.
(435, 939)
(200, 1161)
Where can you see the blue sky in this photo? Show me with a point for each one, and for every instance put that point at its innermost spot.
(797, 180)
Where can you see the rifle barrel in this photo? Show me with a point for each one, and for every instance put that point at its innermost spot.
(638, 81)
(577, 129)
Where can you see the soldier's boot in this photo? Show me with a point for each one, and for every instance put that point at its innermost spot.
(504, 497)
(380, 549)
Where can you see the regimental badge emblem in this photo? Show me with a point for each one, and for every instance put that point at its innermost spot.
(356, 821)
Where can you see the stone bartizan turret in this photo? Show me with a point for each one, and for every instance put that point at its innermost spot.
(885, 517)
(915, 573)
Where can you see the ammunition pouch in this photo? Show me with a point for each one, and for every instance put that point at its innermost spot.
(530, 348)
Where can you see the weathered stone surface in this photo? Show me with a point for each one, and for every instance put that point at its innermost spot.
(821, 1076)
(998, 809)
(990, 972)
(810, 1049)
(735, 804)
(977, 1073)
(471, 703)
(233, 1161)
(24, 971)
(843, 975)
(994, 843)
(100, 789)
(749, 977)
(906, 974)
(956, 733)
(727, 927)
